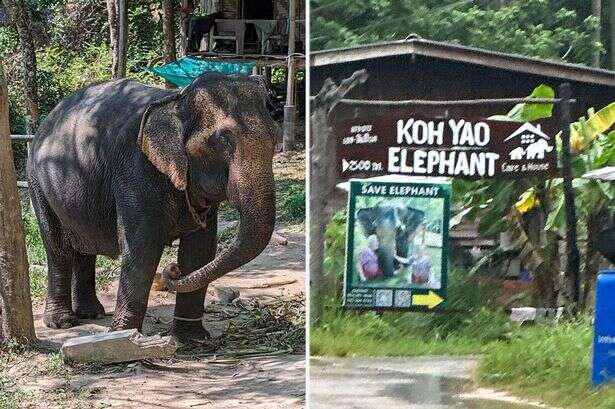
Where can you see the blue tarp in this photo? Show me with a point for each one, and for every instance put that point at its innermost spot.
(183, 71)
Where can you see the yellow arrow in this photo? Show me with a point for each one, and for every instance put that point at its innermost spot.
(430, 300)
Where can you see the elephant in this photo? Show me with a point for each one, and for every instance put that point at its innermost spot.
(394, 226)
(517, 153)
(537, 149)
(124, 169)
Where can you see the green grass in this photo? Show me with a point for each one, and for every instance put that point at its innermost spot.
(548, 363)
(37, 259)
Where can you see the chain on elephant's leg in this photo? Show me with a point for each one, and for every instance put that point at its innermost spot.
(195, 250)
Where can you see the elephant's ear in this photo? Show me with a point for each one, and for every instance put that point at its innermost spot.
(414, 217)
(160, 138)
(367, 218)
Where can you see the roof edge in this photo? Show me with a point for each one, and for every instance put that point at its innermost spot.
(476, 56)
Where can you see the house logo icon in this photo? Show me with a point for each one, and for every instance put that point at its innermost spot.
(534, 143)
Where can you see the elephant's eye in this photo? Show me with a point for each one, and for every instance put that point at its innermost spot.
(221, 140)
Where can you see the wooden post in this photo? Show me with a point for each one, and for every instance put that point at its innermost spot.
(288, 140)
(572, 250)
(15, 304)
(112, 18)
(322, 159)
(168, 34)
(122, 38)
(185, 9)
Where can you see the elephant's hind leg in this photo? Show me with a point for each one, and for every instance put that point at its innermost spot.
(58, 308)
(85, 302)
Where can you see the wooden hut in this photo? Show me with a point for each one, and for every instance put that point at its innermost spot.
(268, 33)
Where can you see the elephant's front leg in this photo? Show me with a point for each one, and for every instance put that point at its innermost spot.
(139, 264)
(195, 250)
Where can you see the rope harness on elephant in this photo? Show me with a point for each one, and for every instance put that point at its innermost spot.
(200, 217)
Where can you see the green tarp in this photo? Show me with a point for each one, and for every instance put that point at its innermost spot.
(183, 71)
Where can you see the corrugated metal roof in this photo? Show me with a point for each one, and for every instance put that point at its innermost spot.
(606, 173)
(477, 56)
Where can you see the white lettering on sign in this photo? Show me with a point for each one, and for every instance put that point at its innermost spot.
(419, 132)
(376, 189)
(466, 163)
(450, 147)
(606, 339)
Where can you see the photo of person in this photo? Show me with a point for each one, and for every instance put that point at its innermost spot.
(368, 267)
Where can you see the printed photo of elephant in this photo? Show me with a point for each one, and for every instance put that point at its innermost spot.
(123, 169)
(396, 242)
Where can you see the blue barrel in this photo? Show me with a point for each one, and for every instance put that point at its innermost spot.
(603, 368)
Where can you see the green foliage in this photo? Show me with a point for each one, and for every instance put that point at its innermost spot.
(291, 201)
(539, 28)
(73, 51)
(34, 241)
(531, 112)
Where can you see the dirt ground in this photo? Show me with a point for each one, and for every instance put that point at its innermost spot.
(251, 367)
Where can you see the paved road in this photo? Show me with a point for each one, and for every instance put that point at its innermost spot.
(409, 383)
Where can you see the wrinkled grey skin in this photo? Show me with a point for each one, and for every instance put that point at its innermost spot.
(394, 226)
(108, 173)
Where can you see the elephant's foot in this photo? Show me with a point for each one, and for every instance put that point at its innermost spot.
(190, 332)
(90, 309)
(121, 322)
(59, 318)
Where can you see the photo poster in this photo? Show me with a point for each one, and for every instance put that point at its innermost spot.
(397, 245)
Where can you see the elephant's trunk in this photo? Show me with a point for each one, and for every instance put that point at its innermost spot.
(252, 192)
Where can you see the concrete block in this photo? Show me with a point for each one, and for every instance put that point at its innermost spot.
(118, 346)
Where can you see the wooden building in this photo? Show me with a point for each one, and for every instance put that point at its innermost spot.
(268, 33)
(423, 69)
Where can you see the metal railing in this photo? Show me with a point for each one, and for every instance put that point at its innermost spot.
(22, 184)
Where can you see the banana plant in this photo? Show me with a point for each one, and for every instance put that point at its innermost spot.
(519, 205)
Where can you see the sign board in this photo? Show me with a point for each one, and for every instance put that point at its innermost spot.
(397, 245)
(388, 143)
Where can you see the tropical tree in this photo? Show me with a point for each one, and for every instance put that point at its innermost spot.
(532, 211)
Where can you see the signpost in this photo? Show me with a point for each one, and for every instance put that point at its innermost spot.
(397, 245)
(389, 143)
(397, 137)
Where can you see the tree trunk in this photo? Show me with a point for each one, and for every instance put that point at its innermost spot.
(572, 251)
(15, 303)
(186, 7)
(113, 34)
(592, 259)
(18, 9)
(122, 38)
(168, 34)
(322, 163)
(597, 12)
